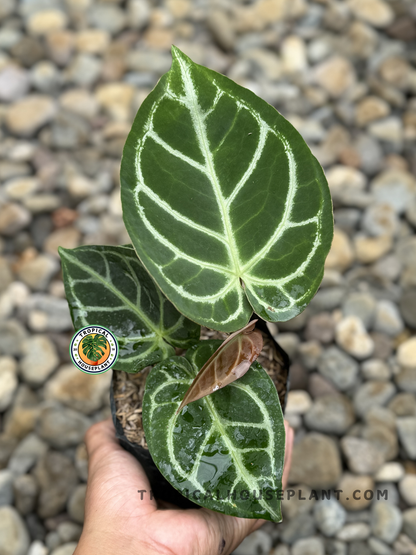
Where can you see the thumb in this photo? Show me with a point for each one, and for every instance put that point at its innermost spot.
(114, 475)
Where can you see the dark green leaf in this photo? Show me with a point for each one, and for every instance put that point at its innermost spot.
(225, 204)
(224, 445)
(108, 286)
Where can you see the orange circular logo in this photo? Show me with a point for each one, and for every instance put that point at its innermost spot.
(94, 349)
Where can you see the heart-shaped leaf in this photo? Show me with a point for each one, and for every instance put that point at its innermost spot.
(225, 204)
(108, 286)
(224, 451)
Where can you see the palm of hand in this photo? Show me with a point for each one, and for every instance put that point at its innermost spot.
(115, 514)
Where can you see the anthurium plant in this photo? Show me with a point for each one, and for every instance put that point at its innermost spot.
(230, 219)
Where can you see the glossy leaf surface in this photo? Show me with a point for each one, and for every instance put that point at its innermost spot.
(226, 445)
(230, 362)
(225, 204)
(108, 286)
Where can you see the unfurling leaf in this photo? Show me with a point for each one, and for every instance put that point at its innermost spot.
(229, 362)
(108, 286)
(224, 202)
(225, 451)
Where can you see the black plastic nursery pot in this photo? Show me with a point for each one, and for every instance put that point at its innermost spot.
(126, 396)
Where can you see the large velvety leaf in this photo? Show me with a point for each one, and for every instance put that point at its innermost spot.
(108, 286)
(225, 204)
(229, 446)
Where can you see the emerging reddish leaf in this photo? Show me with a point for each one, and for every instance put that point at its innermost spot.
(230, 361)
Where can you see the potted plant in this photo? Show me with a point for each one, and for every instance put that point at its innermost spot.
(230, 219)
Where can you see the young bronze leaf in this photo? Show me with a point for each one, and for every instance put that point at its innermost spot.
(229, 362)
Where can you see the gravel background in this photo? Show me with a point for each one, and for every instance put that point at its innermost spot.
(72, 75)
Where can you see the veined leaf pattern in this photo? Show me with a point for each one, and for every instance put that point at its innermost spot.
(223, 200)
(232, 456)
(108, 286)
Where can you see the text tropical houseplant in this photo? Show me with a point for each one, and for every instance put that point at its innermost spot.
(229, 214)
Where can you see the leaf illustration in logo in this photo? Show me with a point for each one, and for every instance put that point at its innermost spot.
(229, 362)
(94, 347)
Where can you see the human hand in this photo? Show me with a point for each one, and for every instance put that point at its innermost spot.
(118, 522)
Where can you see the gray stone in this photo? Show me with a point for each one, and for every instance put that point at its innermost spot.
(8, 381)
(362, 305)
(380, 219)
(354, 531)
(69, 531)
(409, 523)
(362, 456)
(14, 538)
(26, 491)
(297, 500)
(56, 477)
(47, 313)
(383, 439)
(61, 427)
(375, 369)
(21, 417)
(330, 414)
(12, 336)
(108, 17)
(395, 188)
(300, 527)
(308, 546)
(388, 319)
(386, 521)
(329, 516)
(13, 218)
(316, 461)
(321, 327)
(84, 70)
(406, 428)
(52, 540)
(26, 454)
(390, 472)
(378, 547)
(372, 394)
(406, 380)
(6, 487)
(403, 404)
(40, 360)
(14, 83)
(76, 504)
(407, 488)
(36, 273)
(338, 367)
(37, 548)
(65, 549)
(257, 542)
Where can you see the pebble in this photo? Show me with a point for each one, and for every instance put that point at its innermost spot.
(6, 487)
(308, 546)
(395, 188)
(375, 12)
(390, 472)
(354, 532)
(108, 17)
(37, 272)
(61, 427)
(379, 220)
(256, 542)
(406, 380)
(298, 503)
(362, 305)
(39, 361)
(338, 367)
(409, 523)
(370, 249)
(403, 404)
(46, 313)
(8, 381)
(388, 319)
(373, 394)
(406, 353)
(293, 52)
(26, 454)
(386, 521)
(329, 516)
(65, 549)
(298, 402)
(69, 531)
(320, 327)
(349, 484)
(332, 414)
(362, 457)
(371, 108)
(407, 305)
(79, 391)
(26, 492)
(26, 116)
(375, 369)
(335, 75)
(406, 428)
(341, 255)
(14, 83)
(14, 538)
(56, 477)
(316, 461)
(13, 218)
(301, 527)
(351, 335)
(407, 488)
(76, 504)
(37, 548)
